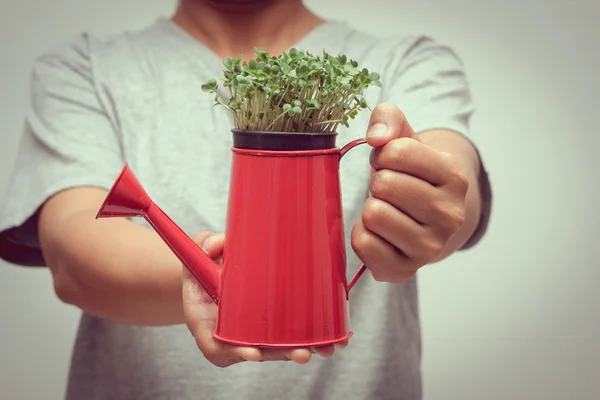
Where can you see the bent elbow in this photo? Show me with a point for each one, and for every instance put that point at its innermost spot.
(65, 287)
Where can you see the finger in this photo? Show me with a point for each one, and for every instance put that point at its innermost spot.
(385, 221)
(424, 203)
(203, 324)
(387, 122)
(211, 243)
(299, 356)
(201, 313)
(201, 316)
(414, 158)
(341, 345)
(418, 199)
(323, 351)
(381, 258)
(274, 355)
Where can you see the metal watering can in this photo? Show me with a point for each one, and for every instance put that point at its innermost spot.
(282, 282)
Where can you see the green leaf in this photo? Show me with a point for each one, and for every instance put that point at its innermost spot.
(269, 90)
(260, 54)
(314, 104)
(228, 62)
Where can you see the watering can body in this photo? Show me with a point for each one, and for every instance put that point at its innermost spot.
(282, 281)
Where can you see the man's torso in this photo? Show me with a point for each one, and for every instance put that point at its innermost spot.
(178, 144)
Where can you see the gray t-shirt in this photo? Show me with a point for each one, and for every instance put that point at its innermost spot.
(98, 103)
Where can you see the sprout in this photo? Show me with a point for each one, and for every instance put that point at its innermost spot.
(294, 92)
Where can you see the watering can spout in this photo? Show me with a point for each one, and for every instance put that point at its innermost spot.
(127, 198)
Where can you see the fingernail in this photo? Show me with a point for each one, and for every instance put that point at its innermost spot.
(378, 129)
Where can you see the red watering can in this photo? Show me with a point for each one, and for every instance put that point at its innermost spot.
(282, 282)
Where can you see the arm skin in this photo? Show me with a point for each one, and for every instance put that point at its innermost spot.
(117, 270)
(456, 144)
(110, 268)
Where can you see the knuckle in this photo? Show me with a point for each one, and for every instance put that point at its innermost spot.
(436, 247)
(458, 178)
(385, 275)
(373, 213)
(201, 346)
(381, 182)
(199, 238)
(460, 181)
(379, 275)
(432, 249)
(427, 250)
(452, 218)
(456, 217)
(401, 149)
(220, 363)
(360, 242)
(211, 353)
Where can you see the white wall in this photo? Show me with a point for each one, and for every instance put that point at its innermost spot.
(516, 318)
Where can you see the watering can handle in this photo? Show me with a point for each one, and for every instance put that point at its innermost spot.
(343, 151)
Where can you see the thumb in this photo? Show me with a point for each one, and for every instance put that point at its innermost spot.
(387, 123)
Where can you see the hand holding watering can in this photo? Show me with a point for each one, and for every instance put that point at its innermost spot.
(201, 313)
(290, 248)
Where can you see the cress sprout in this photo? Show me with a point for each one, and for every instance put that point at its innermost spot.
(294, 92)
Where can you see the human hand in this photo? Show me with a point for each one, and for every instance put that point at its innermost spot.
(200, 314)
(417, 200)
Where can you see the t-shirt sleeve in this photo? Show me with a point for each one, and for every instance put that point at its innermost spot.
(68, 141)
(428, 82)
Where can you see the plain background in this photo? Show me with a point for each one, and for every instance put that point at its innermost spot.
(518, 317)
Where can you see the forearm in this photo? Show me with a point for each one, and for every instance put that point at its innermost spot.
(463, 150)
(113, 269)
